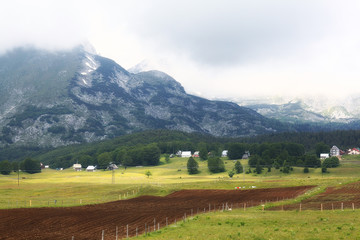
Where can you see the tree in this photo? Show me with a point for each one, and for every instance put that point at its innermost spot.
(321, 148)
(236, 151)
(253, 160)
(192, 166)
(231, 173)
(332, 162)
(148, 173)
(85, 160)
(258, 168)
(167, 158)
(285, 167)
(323, 169)
(312, 161)
(216, 165)
(31, 166)
(306, 170)
(238, 167)
(104, 159)
(5, 167)
(203, 151)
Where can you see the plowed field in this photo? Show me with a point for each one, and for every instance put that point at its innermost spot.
(88, 222)
(347, 196)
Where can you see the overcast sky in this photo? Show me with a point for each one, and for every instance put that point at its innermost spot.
(227, 48)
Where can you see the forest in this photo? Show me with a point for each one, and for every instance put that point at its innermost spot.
(145, 148)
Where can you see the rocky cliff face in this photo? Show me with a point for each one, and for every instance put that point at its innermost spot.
(61, 98)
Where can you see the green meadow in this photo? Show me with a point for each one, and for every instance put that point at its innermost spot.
(69, 188)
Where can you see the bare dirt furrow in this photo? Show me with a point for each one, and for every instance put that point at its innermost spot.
(88, 222)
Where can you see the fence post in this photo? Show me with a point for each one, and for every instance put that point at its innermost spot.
(300, 207)
(342, 206)
(127, 230)
(321, 207)
(353, 206)
(102, 235)
(166, 221)
(116, 233)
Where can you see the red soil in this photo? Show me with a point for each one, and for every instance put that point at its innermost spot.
(347, 196)
(87, 222)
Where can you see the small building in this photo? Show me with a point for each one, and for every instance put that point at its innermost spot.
(196, 154)
(112, 166)
(185, 154)
(47, 166)
(224, 153)
(246, 155)
(324, 155)
(354, 151)
(77, 167)
(91, 168)
(334, 151)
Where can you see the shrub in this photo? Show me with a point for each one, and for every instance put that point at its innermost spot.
(332, 162)
(306, 170)
(231, 173)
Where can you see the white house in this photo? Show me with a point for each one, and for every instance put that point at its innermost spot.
(324, 155)
(354, 151)
(186, 154)
(224, 153)
(90, 168)
(77, 167)
(334, 151)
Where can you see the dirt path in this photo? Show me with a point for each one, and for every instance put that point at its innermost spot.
(87, 222)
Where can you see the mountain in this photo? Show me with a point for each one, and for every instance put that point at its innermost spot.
(66, 97)
(306, 109)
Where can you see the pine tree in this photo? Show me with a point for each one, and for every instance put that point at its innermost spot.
(192, 166)
(238, 167)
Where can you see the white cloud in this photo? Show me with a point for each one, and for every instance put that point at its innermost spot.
(214, 48)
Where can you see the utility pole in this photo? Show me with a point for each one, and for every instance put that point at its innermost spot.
(113, 176)
(18, 174)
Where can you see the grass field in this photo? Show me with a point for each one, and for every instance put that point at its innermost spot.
(258, 225)
(70, 188)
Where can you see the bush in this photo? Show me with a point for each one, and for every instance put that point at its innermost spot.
(306, 170)
(231, 173)
(332, 162)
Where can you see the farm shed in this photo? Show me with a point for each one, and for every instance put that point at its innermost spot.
(324, 155)
(186, 154)
(224, 153)
(77, 167)
(91, 168)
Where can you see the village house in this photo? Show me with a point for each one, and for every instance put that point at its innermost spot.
(224, 153)
(334, 151)
(354, 151)
(77, 167)
(185, 154)
(91, 168)
(196, 154)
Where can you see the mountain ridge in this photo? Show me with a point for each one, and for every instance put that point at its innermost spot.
(61, 98)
